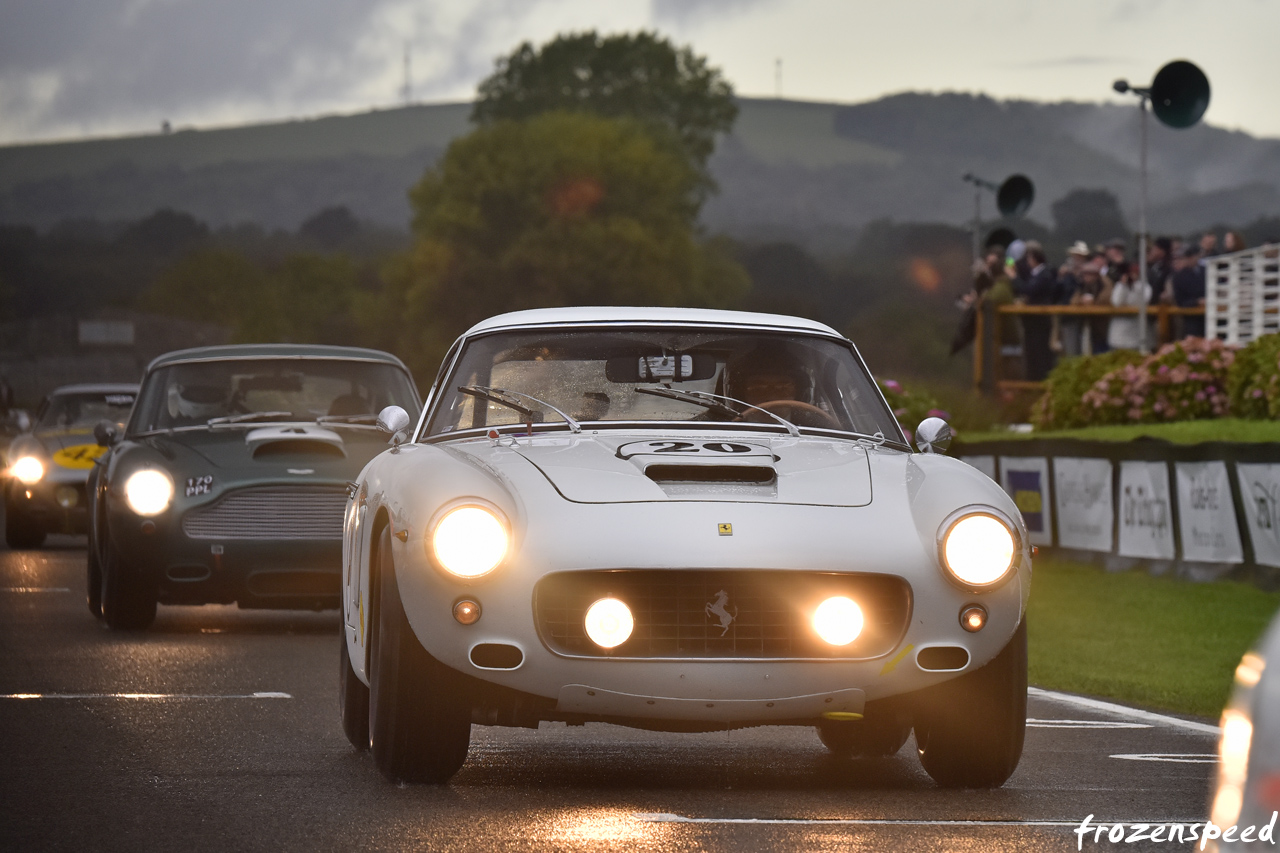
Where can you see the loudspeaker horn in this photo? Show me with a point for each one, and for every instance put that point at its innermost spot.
(1015, 196)
(1001, 237)
(1179, 94)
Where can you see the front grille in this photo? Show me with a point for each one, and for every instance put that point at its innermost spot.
(271, 512)
(681, 614)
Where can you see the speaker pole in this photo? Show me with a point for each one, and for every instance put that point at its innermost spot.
(1178, 96)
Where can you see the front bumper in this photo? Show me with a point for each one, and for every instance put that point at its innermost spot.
(191, 561)
(930, 648)
(55, 504)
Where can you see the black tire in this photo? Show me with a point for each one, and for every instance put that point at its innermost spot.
(419, 715)
(353, 700)
(95, 581)
(20, 532)
(969, 730)
(128, 601)
(881, 733)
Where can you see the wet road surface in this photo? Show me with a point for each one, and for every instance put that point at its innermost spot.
(218, 729)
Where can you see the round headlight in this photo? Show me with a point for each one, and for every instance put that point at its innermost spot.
(978, 550)
(469, 542)
(28, 470)
(148, 492)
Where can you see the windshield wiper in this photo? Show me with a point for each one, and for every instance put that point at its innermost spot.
(503, 397)
(713, 401)
(251, 416)
(347, 419)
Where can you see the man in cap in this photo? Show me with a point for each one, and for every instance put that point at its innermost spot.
(1069, 327)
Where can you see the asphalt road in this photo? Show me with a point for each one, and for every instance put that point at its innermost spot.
(218, 730)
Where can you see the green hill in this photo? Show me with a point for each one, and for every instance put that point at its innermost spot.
(810, 171)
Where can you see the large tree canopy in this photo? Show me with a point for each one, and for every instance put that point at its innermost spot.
(560, 209)
(640, 76)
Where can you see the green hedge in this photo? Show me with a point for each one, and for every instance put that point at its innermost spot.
(1191, 379)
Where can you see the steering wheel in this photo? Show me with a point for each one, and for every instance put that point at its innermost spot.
(824, 419)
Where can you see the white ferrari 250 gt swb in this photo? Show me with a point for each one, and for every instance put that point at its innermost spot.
(682, 520)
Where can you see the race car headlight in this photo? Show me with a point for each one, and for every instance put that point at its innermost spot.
(469, 541)
(978, 549)
(148, 492)
(28, 470)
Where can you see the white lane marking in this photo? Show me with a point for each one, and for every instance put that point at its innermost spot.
(34, 589)
(664, 817)
(1084, 724)
(264, 695)
(1122, 711)
(1171, 757)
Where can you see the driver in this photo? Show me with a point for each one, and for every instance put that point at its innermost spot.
(195, 402)
(763, 375)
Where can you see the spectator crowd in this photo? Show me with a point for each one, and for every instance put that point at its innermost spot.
(1104, 275)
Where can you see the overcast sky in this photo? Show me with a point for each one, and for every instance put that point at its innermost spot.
(70, 68)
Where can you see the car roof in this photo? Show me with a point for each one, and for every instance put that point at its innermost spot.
(586, 315)
(234, 351)
(96, 388)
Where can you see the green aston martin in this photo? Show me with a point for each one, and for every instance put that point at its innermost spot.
(229, 481)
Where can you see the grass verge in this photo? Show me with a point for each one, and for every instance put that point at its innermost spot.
(1181, 432)
(1152, 641)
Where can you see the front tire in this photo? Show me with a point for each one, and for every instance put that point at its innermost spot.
(95, 581)
(128, 601)
(353, 700)
(969, 731)
(419, 716)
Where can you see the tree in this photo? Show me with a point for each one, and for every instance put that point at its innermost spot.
(640, 76)
(1090, 215)
(560, 209)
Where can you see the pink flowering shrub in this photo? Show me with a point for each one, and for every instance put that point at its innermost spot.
(910, 405)
(1253, 382)
(1182, 381)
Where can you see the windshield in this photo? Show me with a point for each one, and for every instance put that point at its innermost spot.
(300, 389)
(85, 410)
(661, 375)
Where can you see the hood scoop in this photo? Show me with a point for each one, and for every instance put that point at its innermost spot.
(754, 475)
(294, 441)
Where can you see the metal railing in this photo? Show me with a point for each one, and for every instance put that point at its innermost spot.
(1242, 294)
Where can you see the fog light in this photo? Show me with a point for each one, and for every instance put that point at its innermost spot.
(609, 623)
(66, 497)
(467, 612)
(838, 620)
(973, 618)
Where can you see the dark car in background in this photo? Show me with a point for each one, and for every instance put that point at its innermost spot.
(229, 482)
(48, 465)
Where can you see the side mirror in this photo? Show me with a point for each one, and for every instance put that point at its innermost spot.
(105, 433)
(933, 435)
(393, 421)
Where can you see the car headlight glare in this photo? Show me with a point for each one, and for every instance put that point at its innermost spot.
(609, 623)
(28, 470)
(469, 542)
(978, 549)
(838, 620)
(148, 492)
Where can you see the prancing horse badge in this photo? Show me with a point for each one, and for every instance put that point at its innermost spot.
(725, 529)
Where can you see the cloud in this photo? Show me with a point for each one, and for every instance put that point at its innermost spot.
(1066, 62)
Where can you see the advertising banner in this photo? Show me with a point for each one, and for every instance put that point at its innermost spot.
(1146, 517)
(1206, 514)
(1260, 489)
(1026, 479)
(985, 464)
(1082, 498)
